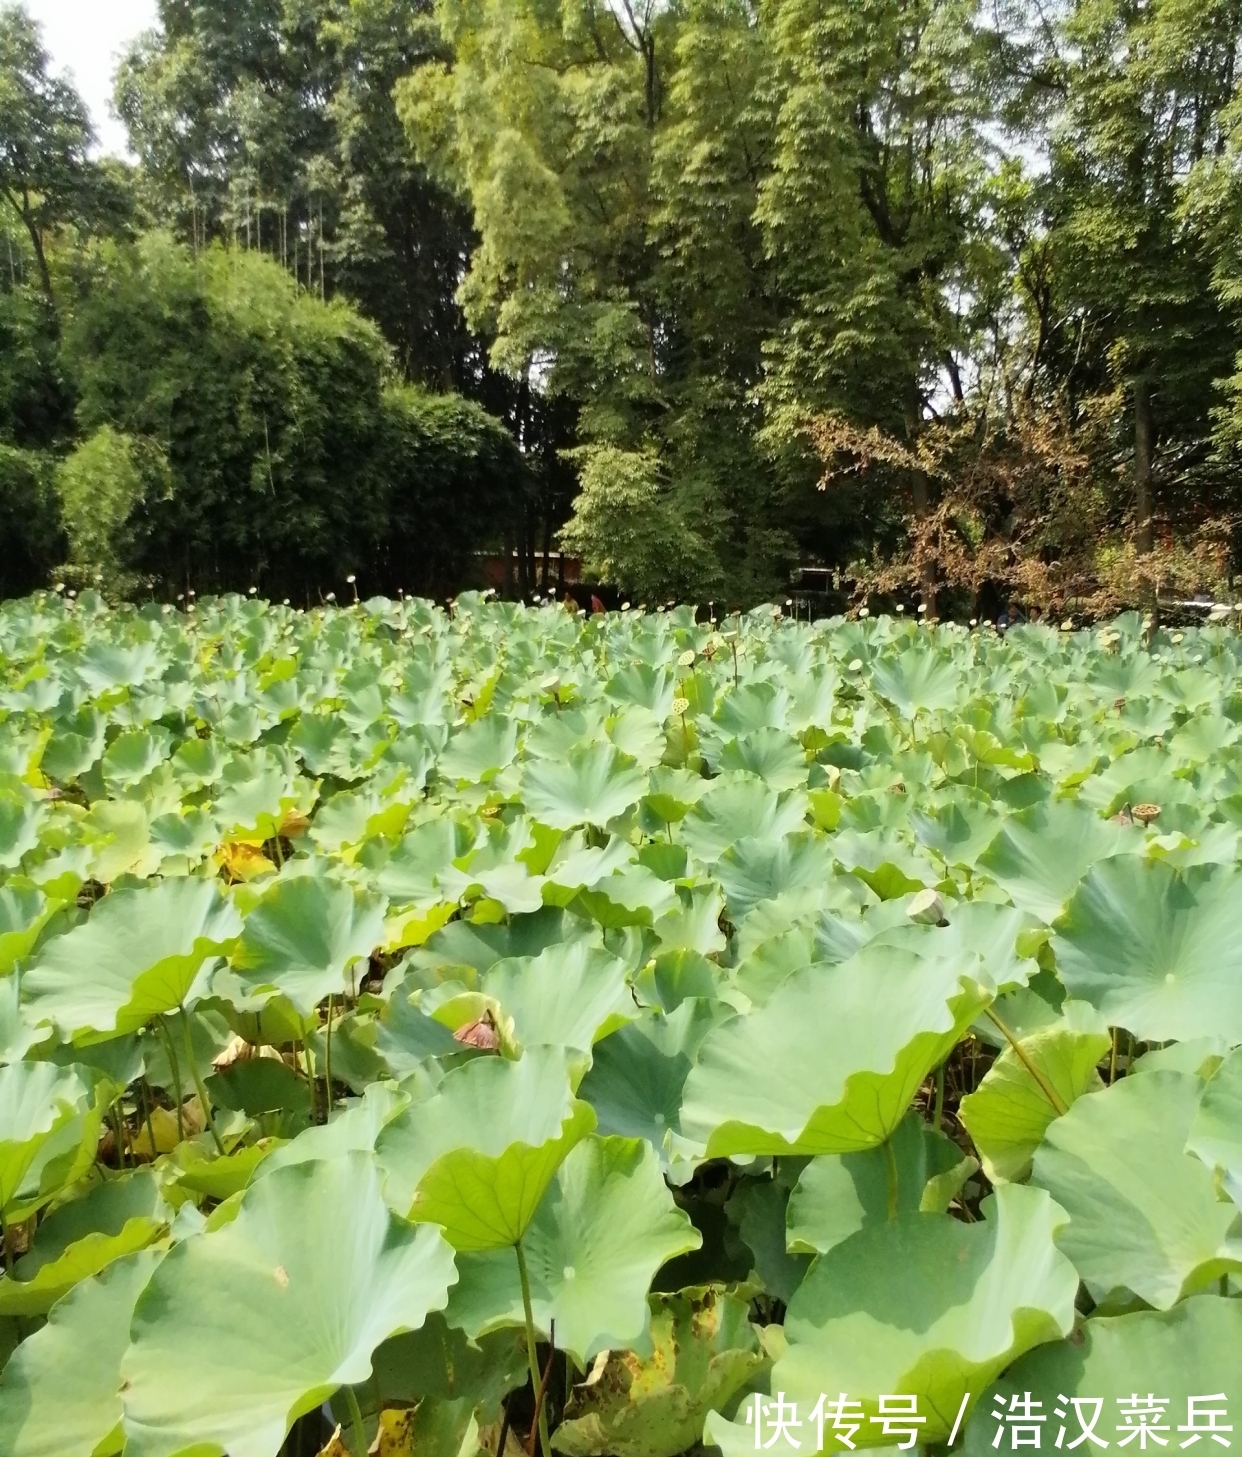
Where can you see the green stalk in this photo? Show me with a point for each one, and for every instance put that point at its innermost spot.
(891, 1158)
(357, 1425)
(531, 1355)
(938, 1115)
(198, 1083)
(118, 1132)
(1045, 1087)
(176, 1073)
(144, 1092)
(4, 1240)
(327, 1059)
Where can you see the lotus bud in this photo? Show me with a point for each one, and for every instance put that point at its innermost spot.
(927, 908)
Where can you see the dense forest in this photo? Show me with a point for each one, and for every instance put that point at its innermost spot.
(937, 297)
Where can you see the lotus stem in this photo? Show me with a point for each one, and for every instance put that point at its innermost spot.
(541, 1421)
(5, 1242)
(1045, 1087)
(176, 1073)
(200, 1085)
(144, 1093)
(327, 1060)
(358, 1430)
(118, 1132)
(891, 1158)
(531, 1356)
(938, 1112)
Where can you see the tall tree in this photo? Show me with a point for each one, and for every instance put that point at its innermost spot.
(45, 135)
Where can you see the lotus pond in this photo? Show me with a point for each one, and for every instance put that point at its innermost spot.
(754, 1034)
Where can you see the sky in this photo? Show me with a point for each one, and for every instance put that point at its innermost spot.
(86, 37)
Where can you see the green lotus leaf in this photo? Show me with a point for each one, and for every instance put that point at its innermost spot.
(1004, 938)
(592, 785)
(439, 1364)
(605, 1225)
(131, 756)
(303, 936)
(24, 911)
(1144, 1213)
(770, 754)
(353, 1129)
(49, 1129)
(410, 875)
(928, 1306)
(838, 1194)
(958, 831)
(138, 954)
(638, 1074)
(754, 871)
(1216, 1133)
(757, 1209)
(739, 807)
(1180, 1354)
(1008, 1114)
(478, 752)
(917, 681)
(477, 1156)
(1155, 950)
(19, 831)
(570, 995)
(81, 1238)
(830, 1062)
(705, 1352)
(245, 1328)
(17, 1036)
(60, 1394)
(1042, 853)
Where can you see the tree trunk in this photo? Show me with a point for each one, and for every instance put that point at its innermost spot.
(922, 498)
(1143, 432)
(45, 276)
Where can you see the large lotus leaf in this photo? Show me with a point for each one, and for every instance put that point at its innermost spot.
(830, 1062)
(83, 1237)
(606, 1224)
(637, 1076)
(1156, 950)
(17, 1036)
(1004, 938)
(245, 1328)
(839, 1194)
(60, 1394)
(770, 754)
(49, 1128)
(136, 956)
(19, 831)
(1216, 1134)
(958, 831)
(439, 1363)
(353, 1129)
(411, 873)
(24, 911)
(930, 1306)
(705, 1351)
(477, 1156)
(754, 871)
(570, 995)
(1189, 1352)
(303, 936)
(592, 785)
(1042, 853)
(1008, 1114)
(739, 807)
(918, 680)
(478, 752)
(1144, 1213)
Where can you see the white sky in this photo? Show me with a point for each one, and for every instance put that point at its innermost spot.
(86, 37)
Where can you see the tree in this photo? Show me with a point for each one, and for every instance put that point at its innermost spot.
(45, 133)
(1147, 89)
(250, 436)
